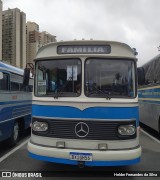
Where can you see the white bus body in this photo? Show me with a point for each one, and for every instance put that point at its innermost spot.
(85, 104)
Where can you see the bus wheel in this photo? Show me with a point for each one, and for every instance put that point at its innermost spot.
(14, 136)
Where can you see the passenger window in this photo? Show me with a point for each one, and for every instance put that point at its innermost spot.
(22, 88)
(29, 88)
(4, 85)
(152, 72)
(14, 86)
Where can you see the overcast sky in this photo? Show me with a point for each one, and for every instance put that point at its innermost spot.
(135, 22)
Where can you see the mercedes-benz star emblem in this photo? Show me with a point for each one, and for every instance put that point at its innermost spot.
(81, 129)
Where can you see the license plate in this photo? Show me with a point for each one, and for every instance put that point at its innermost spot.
(80, 156)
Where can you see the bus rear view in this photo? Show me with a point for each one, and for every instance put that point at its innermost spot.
(85, 105)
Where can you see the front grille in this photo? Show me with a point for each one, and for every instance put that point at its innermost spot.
(98, 129)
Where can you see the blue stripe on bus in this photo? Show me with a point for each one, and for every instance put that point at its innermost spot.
(91, 163)
(93, 112)
(149, 93)
(6, 127)
(14, 102)
(149, 101)
(11, 111)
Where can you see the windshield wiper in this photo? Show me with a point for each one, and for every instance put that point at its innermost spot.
(107, 95)
(58, 93)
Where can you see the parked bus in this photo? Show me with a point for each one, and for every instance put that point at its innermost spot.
(15, 103)
(149, 94)
(85, 104)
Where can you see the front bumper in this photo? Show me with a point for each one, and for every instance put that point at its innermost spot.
(100, 158)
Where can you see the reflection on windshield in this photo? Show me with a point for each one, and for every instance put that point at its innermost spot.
(59, 77)
(109, 78)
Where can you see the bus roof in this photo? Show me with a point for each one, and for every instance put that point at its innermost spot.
(117, 49)
(11, 68)
(151, 60)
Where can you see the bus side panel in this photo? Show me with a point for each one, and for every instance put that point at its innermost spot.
(6, 122)
(27, 120)
(6, 130)
(8, 114)
(149, 100)
(149, 114)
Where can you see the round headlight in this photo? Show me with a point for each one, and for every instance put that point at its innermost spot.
(126, 129)
(39, 126)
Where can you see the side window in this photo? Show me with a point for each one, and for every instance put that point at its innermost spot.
(157, 71)
(4, 82)
(22, 88)
(26, 88)
(149, 73)
(14, 86)
(29, 88)
(16, 81)
(31, 85)
(152, 72)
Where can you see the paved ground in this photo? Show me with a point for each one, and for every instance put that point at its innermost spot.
(4, 148)
(19, 161)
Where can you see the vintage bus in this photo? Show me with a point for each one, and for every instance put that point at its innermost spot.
(149, 94)
(85, 104)
(15, 103)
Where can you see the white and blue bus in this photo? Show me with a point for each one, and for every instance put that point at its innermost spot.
(85, 104)
(149, 94)
(15, 103)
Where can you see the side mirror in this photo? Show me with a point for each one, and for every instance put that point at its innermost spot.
(1, 75)
(26, 76)
(141, 76)
(27, 72)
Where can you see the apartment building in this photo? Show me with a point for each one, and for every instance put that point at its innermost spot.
(14, 37)
(36, 39)
(0, 29)
(33, 40)
(47, 38)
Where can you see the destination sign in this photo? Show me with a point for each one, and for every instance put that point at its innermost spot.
(84, 49)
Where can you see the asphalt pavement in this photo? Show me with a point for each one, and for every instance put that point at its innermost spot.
(17, 159)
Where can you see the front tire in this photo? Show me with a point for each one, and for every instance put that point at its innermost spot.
(14, 136)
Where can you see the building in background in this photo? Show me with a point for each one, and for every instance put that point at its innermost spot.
(47, 38)
(20, 41)
(0, 29)
(36, 39)
(14, 37)
(33, 40)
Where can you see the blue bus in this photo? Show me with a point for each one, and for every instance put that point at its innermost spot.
(85, 104)
(15, 103)
(149, 94)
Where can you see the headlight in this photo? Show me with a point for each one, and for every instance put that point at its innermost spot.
(39, 126)
(126, 129)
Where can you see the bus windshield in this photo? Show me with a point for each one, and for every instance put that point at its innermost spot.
(59, 77)
(109, 78)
